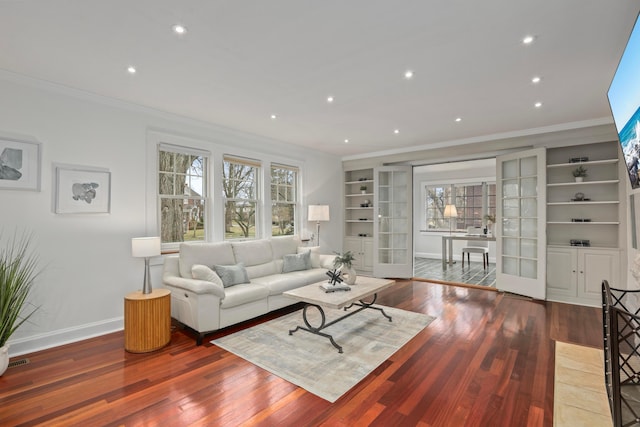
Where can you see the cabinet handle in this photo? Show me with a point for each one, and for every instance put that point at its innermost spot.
(573, 271)
(581, 271)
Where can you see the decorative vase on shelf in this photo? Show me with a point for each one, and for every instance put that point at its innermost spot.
(579, 178)
(4, 358)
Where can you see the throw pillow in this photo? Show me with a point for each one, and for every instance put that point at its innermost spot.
(232, 274)
(296, 262)
(202, 272)
(315, 254)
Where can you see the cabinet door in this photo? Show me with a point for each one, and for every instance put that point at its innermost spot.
(562, 265)
(595, 265)
(367, 254)
(354, 244)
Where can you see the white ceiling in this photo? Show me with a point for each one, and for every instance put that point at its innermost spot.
(242, 61)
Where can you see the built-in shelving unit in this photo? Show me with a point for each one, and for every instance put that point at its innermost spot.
(358, 218)
(588, 212)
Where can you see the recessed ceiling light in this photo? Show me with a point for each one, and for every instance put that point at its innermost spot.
(458, 119)
(408, 74)
(528, 40)
(346, 141)
(273, 117)
(131, 69)
(179, 29)
(396, 131)
(329, 99)
(538, 104)
(536, 79)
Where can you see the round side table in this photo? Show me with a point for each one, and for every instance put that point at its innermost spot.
(147, 320)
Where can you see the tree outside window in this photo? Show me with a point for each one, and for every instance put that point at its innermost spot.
(240, 187)
(182, 194)
(284, 199)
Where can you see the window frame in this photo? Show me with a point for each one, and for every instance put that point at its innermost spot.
(204, 198)
(257, 201)
(295, 202)
(450, 190)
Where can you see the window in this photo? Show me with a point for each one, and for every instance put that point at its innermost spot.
(284, 199)
(240, 187)
(182, 194)
(472, 201)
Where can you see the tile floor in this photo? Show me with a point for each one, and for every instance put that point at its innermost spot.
(475, 274)
(580, 396)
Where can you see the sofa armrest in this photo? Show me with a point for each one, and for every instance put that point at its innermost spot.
(326, 261)
(194, 285)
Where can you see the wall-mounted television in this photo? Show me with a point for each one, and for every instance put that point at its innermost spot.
(624, 100)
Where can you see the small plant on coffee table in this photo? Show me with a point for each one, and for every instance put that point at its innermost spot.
(343, 259)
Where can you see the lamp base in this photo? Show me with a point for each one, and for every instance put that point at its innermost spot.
(146, 287)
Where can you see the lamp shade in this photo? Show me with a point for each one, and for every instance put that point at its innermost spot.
(144, 247)
(450, 211)
(318, 212)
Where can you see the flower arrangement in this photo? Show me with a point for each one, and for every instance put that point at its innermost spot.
(490, 219)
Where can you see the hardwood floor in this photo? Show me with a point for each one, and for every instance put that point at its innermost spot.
(487, 360)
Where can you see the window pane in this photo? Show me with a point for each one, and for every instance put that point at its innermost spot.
(240, 189)
(182, 196)
(283, 196)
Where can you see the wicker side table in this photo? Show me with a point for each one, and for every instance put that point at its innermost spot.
(147, 320)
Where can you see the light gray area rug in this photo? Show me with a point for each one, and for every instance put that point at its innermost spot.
(311, 362)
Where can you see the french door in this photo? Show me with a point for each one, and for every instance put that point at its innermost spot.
(521, 223)
(392, 228)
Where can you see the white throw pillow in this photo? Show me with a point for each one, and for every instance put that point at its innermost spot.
(202, 272)
(315, 254)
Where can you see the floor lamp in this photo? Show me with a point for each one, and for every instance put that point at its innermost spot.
(318, 213)
(450, 212)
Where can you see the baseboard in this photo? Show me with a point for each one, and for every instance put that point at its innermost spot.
(60, 337)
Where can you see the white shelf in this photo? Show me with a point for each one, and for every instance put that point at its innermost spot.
(359, 220)
(571, 184)
(359, 195)
(367, 181)
(359, 208)
(585, 202)
(576, 164)
(585, 223)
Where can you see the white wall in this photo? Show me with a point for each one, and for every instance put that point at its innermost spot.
(87, 260)
(429, 244)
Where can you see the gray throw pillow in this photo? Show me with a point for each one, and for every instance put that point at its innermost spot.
(232, 274)
(296, 262)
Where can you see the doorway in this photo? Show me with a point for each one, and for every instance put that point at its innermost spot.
(470, 187)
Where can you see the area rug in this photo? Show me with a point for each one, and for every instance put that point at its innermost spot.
(311, 362)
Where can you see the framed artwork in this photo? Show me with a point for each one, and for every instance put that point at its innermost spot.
(19, 165)
(82, 189)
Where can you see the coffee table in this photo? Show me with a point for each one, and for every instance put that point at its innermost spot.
(314, 296)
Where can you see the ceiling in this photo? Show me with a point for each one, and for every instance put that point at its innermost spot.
(242, 61)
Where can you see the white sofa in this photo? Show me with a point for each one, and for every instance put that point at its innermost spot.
(199, 298)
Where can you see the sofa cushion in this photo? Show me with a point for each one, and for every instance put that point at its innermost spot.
(279, 283)
(208, 254)
(232, 274)
(315, 254)
(296, 262)
(265, 269)
(202, 272)
(252, 252)
(283, 245)
(242, 294)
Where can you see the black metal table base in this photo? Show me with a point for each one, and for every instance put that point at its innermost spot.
(318, 330)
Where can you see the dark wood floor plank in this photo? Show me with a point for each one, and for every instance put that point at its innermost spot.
(486, 360)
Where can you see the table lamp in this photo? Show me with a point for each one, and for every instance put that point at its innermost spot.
(450, 211)
(318, 213)
(145, 247)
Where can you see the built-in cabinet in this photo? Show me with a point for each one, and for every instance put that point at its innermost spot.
(575, 274)
(583, 222)
(362, 250)
(358, 217)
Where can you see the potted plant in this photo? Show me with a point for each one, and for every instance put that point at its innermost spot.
(344, 262)
(363, 189)
(18, 270)
(489, 220)
(579, 173)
